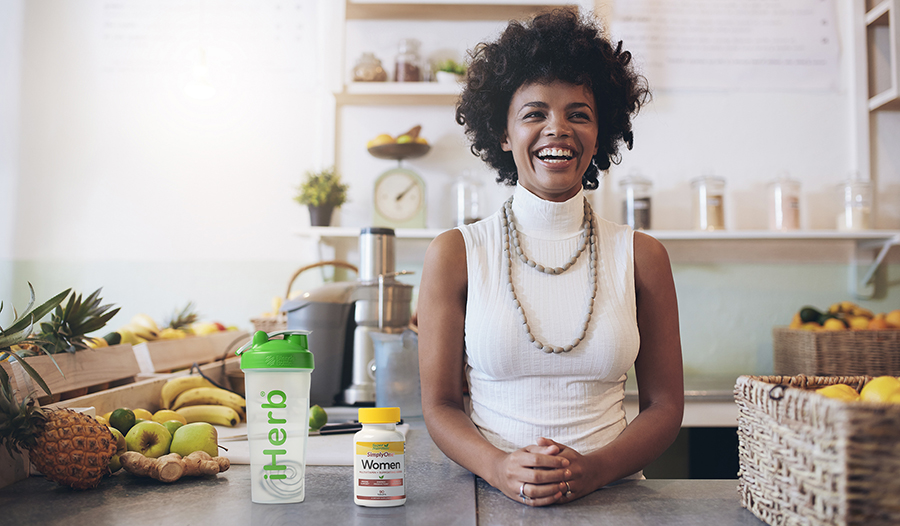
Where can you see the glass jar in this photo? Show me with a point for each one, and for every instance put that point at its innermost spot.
(856, 205)
(466, 191)
(784, 204)
(407, 64)
(635, 192)
(368, 68)
(708, 202)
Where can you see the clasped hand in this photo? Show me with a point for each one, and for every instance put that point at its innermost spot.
(544, 473)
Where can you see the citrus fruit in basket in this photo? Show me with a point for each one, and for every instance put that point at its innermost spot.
(839, 392)
(881, 389)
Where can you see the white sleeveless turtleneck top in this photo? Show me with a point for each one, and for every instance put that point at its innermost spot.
(519, 393)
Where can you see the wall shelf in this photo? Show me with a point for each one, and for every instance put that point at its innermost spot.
(869, 247)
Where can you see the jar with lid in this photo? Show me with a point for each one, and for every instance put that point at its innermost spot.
(856, 205)
(708, 202)
(466, 193)
(635, 192)
(407, 66)
(784, 204)
(368, 68)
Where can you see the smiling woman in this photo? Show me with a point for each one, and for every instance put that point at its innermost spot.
(544, 305)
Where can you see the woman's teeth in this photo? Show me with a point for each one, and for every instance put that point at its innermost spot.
(554, 155)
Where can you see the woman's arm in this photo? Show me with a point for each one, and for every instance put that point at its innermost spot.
(658, 368)
(441, 319)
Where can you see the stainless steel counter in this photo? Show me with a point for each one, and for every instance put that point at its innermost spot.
(440, 492)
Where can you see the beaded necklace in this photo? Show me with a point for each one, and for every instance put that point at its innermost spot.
(511, 239)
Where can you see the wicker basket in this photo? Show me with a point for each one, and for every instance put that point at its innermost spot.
(807, 459)
(279, 322)
(824, 353)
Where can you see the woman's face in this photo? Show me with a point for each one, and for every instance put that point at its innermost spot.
(551, 130)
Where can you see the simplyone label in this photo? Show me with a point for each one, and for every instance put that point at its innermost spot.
(380, 470)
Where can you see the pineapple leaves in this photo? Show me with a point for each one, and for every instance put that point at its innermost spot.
(68, 326)
(39, 312)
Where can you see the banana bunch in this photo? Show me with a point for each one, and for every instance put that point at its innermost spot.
(198, 400)
(142, 328)
(848, 309)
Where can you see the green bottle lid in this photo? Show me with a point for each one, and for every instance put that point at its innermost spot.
(267, 352)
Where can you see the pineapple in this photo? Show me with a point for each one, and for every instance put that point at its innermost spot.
(183, 319)
(68, 326)
(69, 448)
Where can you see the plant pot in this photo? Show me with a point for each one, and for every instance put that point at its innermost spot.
(320, 215)
(445, 77)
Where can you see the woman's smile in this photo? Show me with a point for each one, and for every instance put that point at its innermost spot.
(551, 131)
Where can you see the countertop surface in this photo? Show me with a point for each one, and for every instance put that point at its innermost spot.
(439, 492)
(697, 387)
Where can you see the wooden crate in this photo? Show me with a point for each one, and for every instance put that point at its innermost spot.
(163, 356)
(145, 393)
(83, 372)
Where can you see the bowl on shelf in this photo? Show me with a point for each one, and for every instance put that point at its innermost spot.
(408, 150)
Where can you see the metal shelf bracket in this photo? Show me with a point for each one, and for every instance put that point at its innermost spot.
(865, 262)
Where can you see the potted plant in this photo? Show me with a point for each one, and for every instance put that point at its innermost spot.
(449, 71)
(321, 192)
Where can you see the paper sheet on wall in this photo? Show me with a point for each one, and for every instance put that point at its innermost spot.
(746, 45)
(235, 43)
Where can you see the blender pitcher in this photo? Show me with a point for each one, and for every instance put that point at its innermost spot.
(277, 375)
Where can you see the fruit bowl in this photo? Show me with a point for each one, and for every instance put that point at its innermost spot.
(409, 150)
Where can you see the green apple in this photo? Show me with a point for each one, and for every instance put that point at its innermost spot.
(121, 445)
(172, 425)
(150, 439)
(115, 463)
(196, 436)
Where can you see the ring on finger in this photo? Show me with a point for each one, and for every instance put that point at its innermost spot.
(568, 489)
(522, 492)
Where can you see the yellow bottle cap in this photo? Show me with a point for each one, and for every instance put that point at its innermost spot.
(379, 415)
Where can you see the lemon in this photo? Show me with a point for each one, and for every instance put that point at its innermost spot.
(403, 139)
(858, 322)
(142, 414)
(796, 322)
(879, 322)
(380, 140)
(880, 389)
(164, 415)
(103, 420)
(833, 324)
(810, 326)
(317, 417)
(839, 392)
(122, 419)
(893, 318)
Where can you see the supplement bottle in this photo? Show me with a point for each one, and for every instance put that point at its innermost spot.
(379, 464)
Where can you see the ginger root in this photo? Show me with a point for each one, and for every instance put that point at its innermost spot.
(171, 467)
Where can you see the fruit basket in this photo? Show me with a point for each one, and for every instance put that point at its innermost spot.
(870, 352)
(270, 323)
(399, 151)
(808, 459)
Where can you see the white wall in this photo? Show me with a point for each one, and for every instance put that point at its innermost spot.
(112, 178)
(11, 12)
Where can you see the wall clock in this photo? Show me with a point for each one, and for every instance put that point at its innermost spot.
(399, 199)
